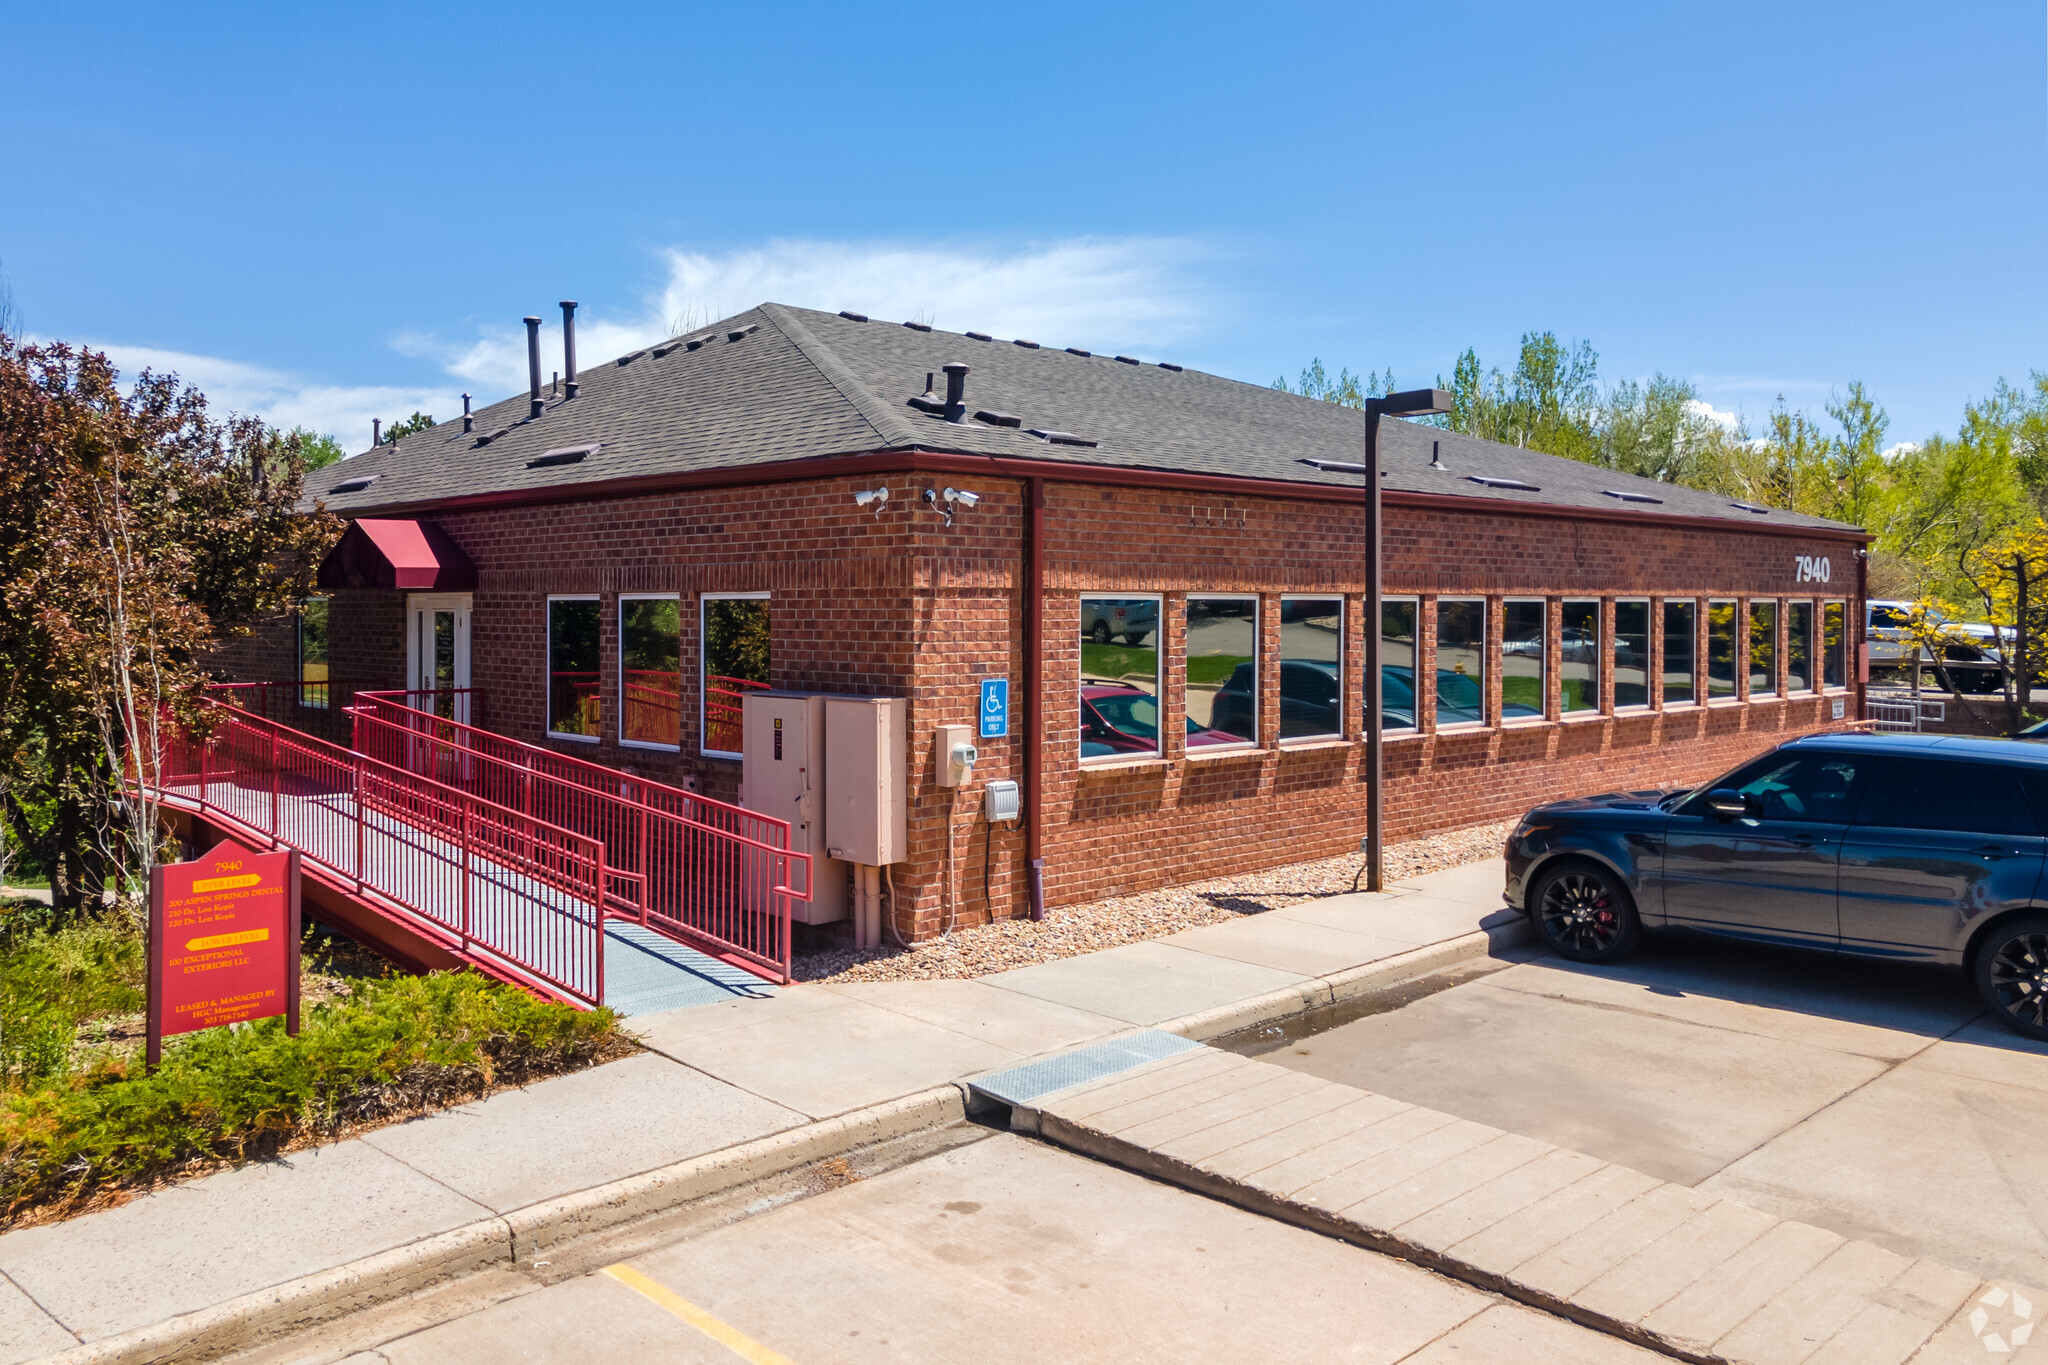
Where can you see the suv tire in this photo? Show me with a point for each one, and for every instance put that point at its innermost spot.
(2011, 972)
(1583, 913)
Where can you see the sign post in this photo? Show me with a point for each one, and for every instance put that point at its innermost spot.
(223, 942)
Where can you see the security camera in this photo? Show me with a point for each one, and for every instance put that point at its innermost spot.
(874, 497)
(962, 496)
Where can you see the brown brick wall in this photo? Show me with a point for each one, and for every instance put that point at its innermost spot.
(901, 605)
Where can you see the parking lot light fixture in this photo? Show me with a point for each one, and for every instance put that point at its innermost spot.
(1410, 403)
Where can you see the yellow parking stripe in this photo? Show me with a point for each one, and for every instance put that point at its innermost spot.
(734, 1340)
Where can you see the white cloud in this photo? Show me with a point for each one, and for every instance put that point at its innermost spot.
(1902, 448)
(1132, 294)
(1701, 408)
(283, 399)
(1125, 293)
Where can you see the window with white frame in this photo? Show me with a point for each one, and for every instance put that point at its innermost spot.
(574, 707)
(1524, 656)
(1578, 639)
(1799, 647)
(1460, 661)
(1398, 617)
(1631, 653)
(1763, 648)
(651, 671)
(313, 689)
(733, 653)
(1834, 644)
(1221, 677)
(1119, 693)
(1680, 672)
(1311, 667)
(1722, 648)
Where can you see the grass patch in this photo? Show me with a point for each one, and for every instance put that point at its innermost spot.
(82, 1123)
(1118, 661)
(1213, 669)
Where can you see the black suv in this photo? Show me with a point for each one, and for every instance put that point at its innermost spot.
(1912, 847)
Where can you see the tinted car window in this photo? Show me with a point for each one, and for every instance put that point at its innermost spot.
(1820, 787)
(1927, 793)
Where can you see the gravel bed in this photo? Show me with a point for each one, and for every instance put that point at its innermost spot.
(1075, 929)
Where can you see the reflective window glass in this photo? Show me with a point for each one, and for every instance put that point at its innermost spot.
(1222, 671)
(572, 666)
(1721, 652)
(1631, 653)
(1834, 644)
(1818, 787)
(313, 652)
(650, 671)
(1681, 648)
(735, 655)
(1763, 648)
(1799, 646)
(1460, 661)
(1524, 633)
(1578, 642)
(1923, 793)
(1397, 663)
(1120, 677)
(1311, 667)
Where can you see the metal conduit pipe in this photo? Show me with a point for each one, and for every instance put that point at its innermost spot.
(1032, 701)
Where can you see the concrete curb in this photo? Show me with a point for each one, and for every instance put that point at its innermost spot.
(1348, 984)
(506, 1240)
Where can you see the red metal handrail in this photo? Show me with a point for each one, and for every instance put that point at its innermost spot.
(702, 871)
(527, 892)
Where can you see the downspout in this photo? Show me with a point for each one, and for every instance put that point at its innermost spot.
(1859, 616)
(1032, 691)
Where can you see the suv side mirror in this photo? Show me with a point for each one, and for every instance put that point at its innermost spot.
(1728, 803)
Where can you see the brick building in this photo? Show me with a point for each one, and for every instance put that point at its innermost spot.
(1149, 557)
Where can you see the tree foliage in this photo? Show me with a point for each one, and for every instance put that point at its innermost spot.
(137, 533)
(419, 421)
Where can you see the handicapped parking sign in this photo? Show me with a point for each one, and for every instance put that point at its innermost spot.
(995, 707)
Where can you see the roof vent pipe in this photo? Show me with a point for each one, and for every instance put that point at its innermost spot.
(569, 347)
(376, 431)
(1436, 459)
(956, 391)
(534, 404)
(468, 422)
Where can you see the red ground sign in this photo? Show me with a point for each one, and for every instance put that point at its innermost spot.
(223, 941)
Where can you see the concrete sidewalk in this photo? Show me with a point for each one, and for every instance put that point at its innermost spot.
(728, 1092)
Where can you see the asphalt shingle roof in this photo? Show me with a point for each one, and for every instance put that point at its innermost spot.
(776, 384)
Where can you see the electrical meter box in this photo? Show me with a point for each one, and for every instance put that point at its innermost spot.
(783, 747)
(867, 779)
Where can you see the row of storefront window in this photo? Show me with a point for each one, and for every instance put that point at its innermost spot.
(732, 659)
(1652, 650)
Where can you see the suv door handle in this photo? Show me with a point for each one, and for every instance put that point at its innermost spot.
(1991, 853)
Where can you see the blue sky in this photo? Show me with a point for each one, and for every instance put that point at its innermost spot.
(327, 212)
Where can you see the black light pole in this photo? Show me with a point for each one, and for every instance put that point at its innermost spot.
(1412, 402)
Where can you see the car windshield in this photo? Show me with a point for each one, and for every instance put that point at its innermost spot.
(1134, 713)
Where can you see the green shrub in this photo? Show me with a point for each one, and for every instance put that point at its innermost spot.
(393, 1047)
(53, 980)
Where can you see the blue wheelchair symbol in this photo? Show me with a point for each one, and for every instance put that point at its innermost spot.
(995, 707)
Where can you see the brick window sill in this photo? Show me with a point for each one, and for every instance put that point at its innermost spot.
(1397, 736)
(1527, 723)
(1223, 755)
(1582, 718)
(1127, 765)
(1308, 746)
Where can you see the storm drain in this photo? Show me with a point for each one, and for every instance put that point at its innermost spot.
(1028, 1082)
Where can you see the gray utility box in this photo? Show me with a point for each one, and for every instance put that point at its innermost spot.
(836, 768)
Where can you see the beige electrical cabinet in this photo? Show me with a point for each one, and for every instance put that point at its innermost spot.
(867, 779)
(783, 744)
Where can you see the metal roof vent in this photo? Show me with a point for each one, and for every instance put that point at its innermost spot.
(562, 455)
(1491, 482)
(1436, 457)
(692, 344)
(1076, 350)
(1629, 497)
(355, 485)
(1169, 365)
(956, 391)
(1027, 345)
(929, 400)
(535, 407)
(853, 317)
(468, 420)
(1752, 507)
(741, 333)
(918, 326)
(629, 359)
(980, 336)
(998, 419)
(1129, 360)
(569, 348)
(1060, 438)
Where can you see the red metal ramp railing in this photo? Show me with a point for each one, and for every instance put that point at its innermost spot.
(712, 875)
(497, 886)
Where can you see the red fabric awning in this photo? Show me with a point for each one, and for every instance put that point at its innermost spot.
(416, 556)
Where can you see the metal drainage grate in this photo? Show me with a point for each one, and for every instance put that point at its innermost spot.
(1023, 1084)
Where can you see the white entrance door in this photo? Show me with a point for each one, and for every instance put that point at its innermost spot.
(437, 653)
